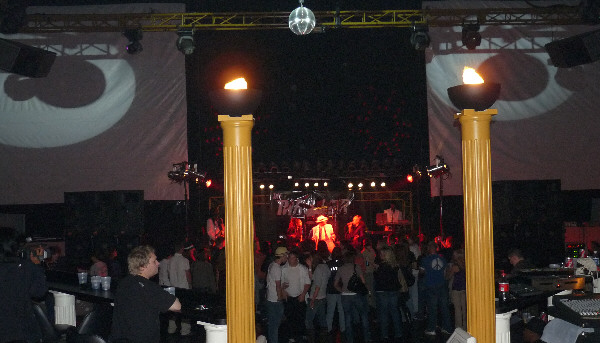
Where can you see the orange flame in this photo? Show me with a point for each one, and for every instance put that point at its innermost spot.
(239, 83)
(470, 76)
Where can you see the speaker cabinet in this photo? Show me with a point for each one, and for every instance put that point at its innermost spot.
(25, 60)
(577, 50)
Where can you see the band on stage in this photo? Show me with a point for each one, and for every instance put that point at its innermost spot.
(390, 225)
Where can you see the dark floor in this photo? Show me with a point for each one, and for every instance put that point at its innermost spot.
(413, 333)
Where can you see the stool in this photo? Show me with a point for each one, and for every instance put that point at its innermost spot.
(64, 308)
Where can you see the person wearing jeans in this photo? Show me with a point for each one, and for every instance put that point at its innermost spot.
(436, 290)
(355, 305)
(274, 303)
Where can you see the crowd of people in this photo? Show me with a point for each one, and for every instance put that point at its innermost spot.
(305, 290)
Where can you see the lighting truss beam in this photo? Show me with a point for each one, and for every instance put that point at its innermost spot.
(279, 20)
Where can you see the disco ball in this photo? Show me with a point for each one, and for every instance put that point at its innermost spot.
(302, 21)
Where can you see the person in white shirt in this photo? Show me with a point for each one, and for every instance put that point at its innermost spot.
(274, 303)
(394, 215)
(323, 232)
(295, 282)
(179, 277)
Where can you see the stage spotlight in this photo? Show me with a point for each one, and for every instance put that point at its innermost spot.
(382, 184)
(471, 38)
(296, 184)
(360, 185)
(208, 183)
(185, 41)
(271, 186)
(438, 168)
(325, 184)
(409, 178)
(316, 184)
(134, 36)
(350, 185)
(373, 184)
(261, 186)
(419, 38)
(306, 184)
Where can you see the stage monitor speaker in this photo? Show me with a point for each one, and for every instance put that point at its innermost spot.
(577, 50)
(22, 59)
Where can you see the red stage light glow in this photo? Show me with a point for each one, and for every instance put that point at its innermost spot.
(208, 183)
(409, 178)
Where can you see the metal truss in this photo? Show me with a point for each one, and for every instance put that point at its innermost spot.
(157, 22)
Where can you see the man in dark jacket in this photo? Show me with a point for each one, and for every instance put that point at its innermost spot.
(20, 281)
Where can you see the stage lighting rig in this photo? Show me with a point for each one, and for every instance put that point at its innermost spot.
(471, 38)
(183, 172)
(420, 37)
(438, 168)
(134, 36)
(185, 41)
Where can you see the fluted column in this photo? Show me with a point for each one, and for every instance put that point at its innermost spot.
(479, 240)
(239, 233)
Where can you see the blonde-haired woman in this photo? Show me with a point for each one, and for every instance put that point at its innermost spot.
(389, 281)
(458, 288)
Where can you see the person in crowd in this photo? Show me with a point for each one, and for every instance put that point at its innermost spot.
(323, 232)
(215, 227)
(295, 283)
(275, 297)
(203, 275)
(369, 254)
(334, 297)
(436, 290)
(518, 262)
(406, 262)
(356, 309)
(533, 331)
(139, 301)
(98, 268)
(457, 275)
(180, 276)
(20, 281)
(388, 277)
(355, 232)
(114, 266)
(318, 295)
(163, 269)
(413, 290)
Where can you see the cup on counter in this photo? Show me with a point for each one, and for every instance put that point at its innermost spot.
(105, 283)
(82, 277)
(96, 281)
(170, 290)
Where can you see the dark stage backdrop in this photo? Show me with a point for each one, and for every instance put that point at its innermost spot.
(340, 95)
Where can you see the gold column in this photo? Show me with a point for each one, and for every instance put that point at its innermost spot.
(479, 240)
(239, 233)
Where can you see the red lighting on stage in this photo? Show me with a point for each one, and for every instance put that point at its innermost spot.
(208, 183)
(409, 178)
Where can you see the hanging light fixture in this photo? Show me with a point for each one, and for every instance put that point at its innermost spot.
(134, 36)
(302, 20)
(185, 41)
(420, 37)
(471, 38)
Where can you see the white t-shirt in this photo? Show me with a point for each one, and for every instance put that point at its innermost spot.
(178, 265)
(296, 277)
(163, 272)
(273, 275)
(393, 216)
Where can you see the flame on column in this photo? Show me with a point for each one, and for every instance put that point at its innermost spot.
(239, 83)
(470, 76)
